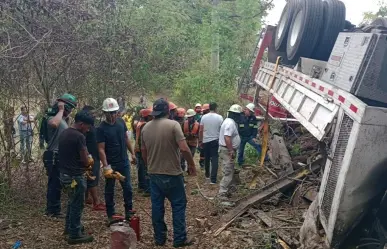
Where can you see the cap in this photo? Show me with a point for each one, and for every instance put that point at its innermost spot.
(160, 106)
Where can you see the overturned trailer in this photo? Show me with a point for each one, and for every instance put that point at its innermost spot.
(341, 102)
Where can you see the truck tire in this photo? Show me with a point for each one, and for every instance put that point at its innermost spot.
(380, 21)
(281, 33)
(305, 29)
(333, 24)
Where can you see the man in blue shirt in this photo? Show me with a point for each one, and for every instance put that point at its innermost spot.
(248, 131)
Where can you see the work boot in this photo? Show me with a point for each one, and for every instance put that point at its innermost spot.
(80, 239)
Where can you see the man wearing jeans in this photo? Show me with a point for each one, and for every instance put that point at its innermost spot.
(209, 141)
(162, 142)
(55, 126)
(25, 131)
(229, 142)
(248, 130)
(72, 166)
(113, 141)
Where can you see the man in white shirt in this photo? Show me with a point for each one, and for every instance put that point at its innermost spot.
(25, 130)
(209, 141)
(229, 142)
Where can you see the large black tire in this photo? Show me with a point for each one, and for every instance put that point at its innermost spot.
(333, 24)
(380, 21)
(304, 30)
(281, 33)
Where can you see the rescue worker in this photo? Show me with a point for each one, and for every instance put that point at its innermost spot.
(56, 124)
(113, 143)
(162, 139)
(198, 110)
(248, 130)
(191, 131)
(205, 110)
(136, 118)
(142, 174)
(128, 118)
(180, 115)
(229, 142)
(172, 111)
(74, 161)
(209, 141)
(92, 148)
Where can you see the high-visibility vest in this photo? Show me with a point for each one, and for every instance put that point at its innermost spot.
(192, 135)
(139, 126)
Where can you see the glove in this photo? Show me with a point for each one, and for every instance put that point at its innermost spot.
(118, 176)
(90, 161)
(108, 172)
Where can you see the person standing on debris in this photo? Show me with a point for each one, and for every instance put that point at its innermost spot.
(142, 172)
(162, 139)
(92, 184)
(113, 141)
(74, 161)
(191, 131)
(248, 131)
(56, 124)
(229, 142)
(209, 141)
(25, 132)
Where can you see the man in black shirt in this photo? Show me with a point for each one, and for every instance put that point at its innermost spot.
(92, 147)
(73, 163)
(113, 141)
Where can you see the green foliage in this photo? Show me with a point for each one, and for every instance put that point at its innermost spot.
(296, 150)
(251, 155)
(369, 16)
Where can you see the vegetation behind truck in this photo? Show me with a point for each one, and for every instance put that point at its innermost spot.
(335, 84)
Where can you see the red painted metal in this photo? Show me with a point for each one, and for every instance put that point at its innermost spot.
(135, 224)
(264, 44)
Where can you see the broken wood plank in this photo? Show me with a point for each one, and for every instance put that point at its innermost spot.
(261, 195)
(281, 233)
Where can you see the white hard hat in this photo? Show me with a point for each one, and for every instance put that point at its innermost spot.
(198, 105)
(190, 113)
(110, 105)
(250, 106)
(235, 108)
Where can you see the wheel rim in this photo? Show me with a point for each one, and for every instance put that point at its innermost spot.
(296, 28)
(281, 27)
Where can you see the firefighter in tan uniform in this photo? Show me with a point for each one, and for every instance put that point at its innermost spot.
(191, 131)
(142, 174)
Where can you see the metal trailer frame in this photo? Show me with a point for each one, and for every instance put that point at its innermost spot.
(358, 150)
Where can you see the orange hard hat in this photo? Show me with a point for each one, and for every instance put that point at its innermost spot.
(206, 107)
(180, 112)
(172, 106)
(145, 112)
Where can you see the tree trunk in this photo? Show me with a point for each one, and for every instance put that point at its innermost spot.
(215, 36)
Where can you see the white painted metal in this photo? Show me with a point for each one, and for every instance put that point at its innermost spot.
(310, 109)
(358, 152)
(358, 180)
(296, 29)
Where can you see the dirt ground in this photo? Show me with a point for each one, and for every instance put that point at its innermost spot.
(22, 219)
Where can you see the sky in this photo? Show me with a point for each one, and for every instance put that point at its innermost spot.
(354, 8)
